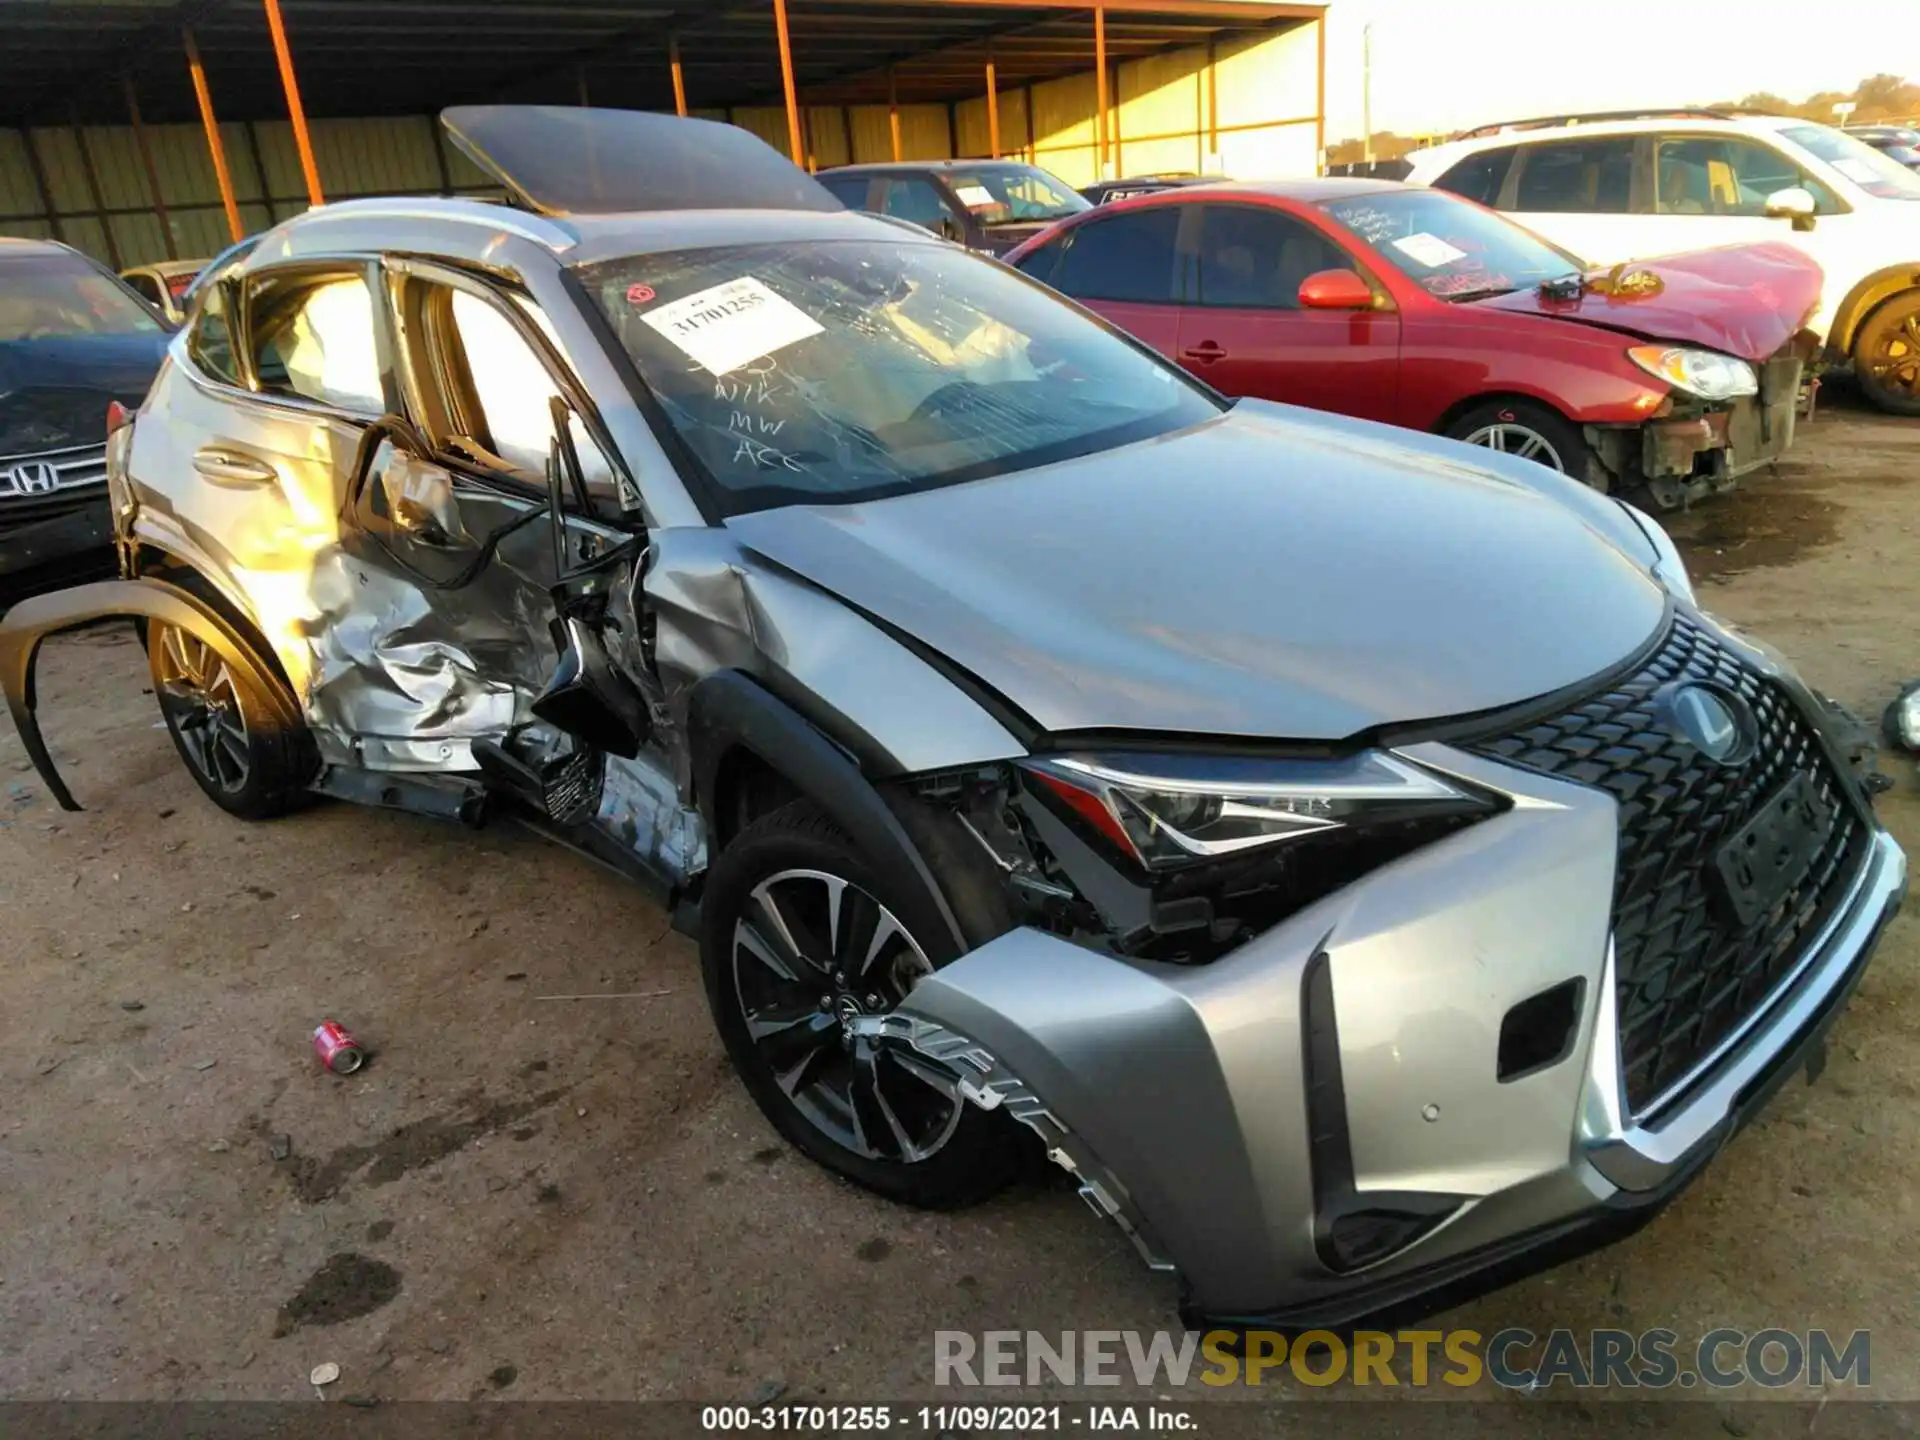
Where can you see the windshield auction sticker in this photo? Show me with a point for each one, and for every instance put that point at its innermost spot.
(1429, 250)
(725, 327)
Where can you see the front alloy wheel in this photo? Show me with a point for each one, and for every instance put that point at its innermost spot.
(1527, 430)
(812, 954)
(1512, 438)
(803, 943)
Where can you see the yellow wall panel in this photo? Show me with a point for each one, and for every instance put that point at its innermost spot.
(1269, 79)
(827, 135)
(1063, 133)
(769, 122)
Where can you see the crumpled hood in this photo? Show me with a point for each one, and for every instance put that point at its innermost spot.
(54, 393)
(1744, 300)
(1275, 573)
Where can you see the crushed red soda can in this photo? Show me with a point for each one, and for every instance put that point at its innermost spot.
(337, 1048)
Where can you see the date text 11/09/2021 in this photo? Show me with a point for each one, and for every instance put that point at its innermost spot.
(945, 1419)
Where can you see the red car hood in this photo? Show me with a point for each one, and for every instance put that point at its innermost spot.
(1744, 300)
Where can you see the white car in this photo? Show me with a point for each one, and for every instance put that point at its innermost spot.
(1634, 186)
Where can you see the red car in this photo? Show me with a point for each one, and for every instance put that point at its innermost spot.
(1422, 309)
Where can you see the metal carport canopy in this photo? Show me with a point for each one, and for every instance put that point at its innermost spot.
(64, 61)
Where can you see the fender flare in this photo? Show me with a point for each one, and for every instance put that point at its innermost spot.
(727, 709)
(1862, 300)
(29, 623)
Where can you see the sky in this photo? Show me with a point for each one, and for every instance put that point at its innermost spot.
(1441, 65)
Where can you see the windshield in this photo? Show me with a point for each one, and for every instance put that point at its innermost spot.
(849, 370)
(60, 297)
(1014, 194)
(1451, 248)
(1874, 171)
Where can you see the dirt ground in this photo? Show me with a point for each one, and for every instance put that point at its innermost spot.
(526, 1196)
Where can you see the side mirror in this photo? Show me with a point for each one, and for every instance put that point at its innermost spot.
(588, 698)
(951, 229)
(1795, 203)
(1335, 290)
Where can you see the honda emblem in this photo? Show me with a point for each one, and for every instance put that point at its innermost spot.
(34, 477)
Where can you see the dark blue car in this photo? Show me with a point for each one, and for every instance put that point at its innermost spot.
(73, 339)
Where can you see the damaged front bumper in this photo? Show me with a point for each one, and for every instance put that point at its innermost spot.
(1683, 457)
(1311, 1130)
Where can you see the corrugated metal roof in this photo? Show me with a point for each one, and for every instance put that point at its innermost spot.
(62, 60)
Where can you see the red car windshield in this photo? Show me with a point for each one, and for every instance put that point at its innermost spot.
(1451, 248)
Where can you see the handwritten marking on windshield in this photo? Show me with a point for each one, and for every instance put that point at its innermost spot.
(761, 457)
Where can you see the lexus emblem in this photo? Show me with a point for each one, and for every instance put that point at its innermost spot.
(1716, 722)
(34, 477)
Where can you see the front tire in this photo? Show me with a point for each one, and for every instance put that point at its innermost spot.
(799, 937)
(1886, 355)
(1529, 432)
(245, 760)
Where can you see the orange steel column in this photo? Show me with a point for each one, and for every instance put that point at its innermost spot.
(679, 79)
(786, 81)
(893, 112)
(294, 109)
(1100, 69)
(219, 151)
(1320, 101)
(993, 110)
(1213, 100)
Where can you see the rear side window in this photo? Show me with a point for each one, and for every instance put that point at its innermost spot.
(1128, 257)
(1040, 263)
(911, 198)
(146, 285)
(1726, 175)
(313, 338)
(210, 343)
(1479, 177)
(1256, 258)
(1582, 177)
(849, 190)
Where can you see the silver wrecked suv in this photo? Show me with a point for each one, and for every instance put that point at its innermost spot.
(1354, 855)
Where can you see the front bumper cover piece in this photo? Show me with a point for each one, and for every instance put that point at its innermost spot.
(1184, 1098)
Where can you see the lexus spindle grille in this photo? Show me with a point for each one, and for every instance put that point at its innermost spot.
(1688, 970)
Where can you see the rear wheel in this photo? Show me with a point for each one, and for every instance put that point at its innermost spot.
(1529, 432)
(801, 939)
(1886, 355)
(234, 746)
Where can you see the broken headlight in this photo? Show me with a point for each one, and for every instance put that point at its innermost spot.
(1172, 812)
(1705, 373)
